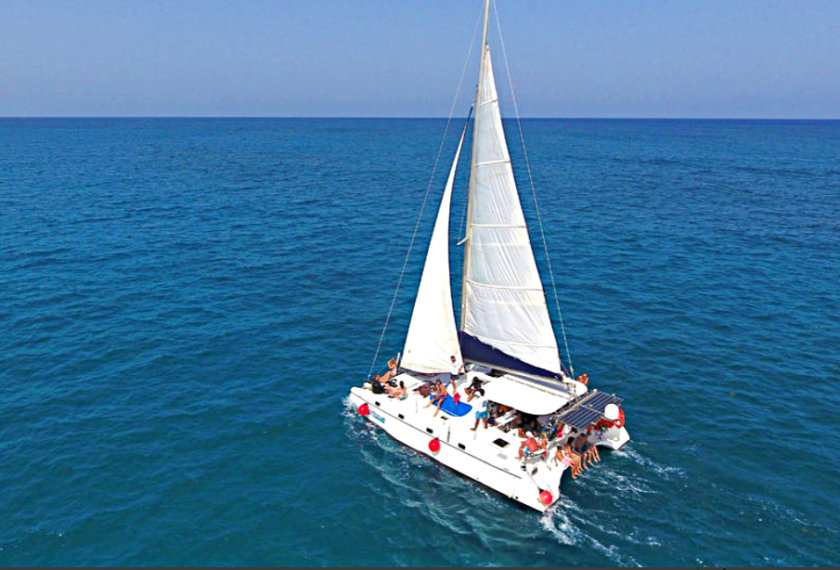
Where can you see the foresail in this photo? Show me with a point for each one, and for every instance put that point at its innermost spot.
(503, 298)
(432, 335)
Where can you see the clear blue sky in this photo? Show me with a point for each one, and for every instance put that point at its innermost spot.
(569, 58)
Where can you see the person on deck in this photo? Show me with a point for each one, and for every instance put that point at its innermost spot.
(438, 398)
(531, 444)
(398, 392)
(567, 457)
(581, 446)
(480, 410)
(474, 386)
(456, 370)
(591, 453)
(392, 371)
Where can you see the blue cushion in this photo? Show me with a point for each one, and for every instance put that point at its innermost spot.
(450, 407)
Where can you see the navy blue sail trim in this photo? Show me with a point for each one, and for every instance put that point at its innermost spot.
(478, 351)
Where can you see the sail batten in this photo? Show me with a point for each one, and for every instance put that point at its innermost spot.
(503, 301)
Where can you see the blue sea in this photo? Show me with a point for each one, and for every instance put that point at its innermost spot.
(185, 304)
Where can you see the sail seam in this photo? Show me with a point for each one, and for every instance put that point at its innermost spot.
(492, 162)
(516, 226)
(506, 287)
(490, 341)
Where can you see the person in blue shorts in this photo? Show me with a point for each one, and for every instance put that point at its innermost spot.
(480, 410)
(530, 446)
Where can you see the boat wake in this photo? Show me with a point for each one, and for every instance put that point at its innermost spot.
(665, 471)
(566, 522)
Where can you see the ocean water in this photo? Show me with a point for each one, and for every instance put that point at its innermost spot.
(185, 304)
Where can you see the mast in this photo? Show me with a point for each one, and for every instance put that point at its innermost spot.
(477, 107)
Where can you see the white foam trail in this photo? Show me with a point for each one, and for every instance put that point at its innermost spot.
(557, 522)
(621, 482)
(560, 525)
(567, 522)
(664, 471)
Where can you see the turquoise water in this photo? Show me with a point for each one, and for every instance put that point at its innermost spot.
(186, 303)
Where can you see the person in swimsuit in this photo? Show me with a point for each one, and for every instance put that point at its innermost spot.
(439, 397)
(398, 392)
(567, 457)
(592, 454)
(531, 444)
(581, 446)
(392, 371)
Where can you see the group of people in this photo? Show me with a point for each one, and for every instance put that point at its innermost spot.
(531, 446)
(440, 391)
(576, 452)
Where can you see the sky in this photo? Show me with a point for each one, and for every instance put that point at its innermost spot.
(403, 58)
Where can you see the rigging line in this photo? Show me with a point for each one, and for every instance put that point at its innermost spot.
(425, 200)
(533, 190)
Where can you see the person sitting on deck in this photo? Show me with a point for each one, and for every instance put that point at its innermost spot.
(474, 386)
(581, 446)
(398, 392)
(591, 453)
(569, 458)
(480, 411)
(392, 371)
(530, 446)
(439, 397)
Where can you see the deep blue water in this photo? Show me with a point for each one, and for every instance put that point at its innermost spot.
(184, 305)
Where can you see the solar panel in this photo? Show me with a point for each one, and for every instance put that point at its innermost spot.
(588, 409)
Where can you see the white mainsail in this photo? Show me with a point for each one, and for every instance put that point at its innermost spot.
(432, 335)
(503, 301)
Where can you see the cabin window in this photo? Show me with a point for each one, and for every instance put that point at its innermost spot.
(462, 446)
(501, 442)
(430, 430)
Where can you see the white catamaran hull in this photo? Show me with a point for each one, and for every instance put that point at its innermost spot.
(471, 453)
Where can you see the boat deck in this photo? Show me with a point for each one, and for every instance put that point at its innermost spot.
(500, 445)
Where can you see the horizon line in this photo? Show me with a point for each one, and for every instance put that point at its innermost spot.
(395, 117)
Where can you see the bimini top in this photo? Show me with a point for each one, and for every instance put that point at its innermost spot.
(523, 395)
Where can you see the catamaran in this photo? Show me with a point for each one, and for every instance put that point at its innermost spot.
(514, 418)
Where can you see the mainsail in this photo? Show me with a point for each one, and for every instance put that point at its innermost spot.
(503, 302)
(432, 336)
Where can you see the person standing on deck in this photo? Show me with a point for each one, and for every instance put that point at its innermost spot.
(456, 370)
